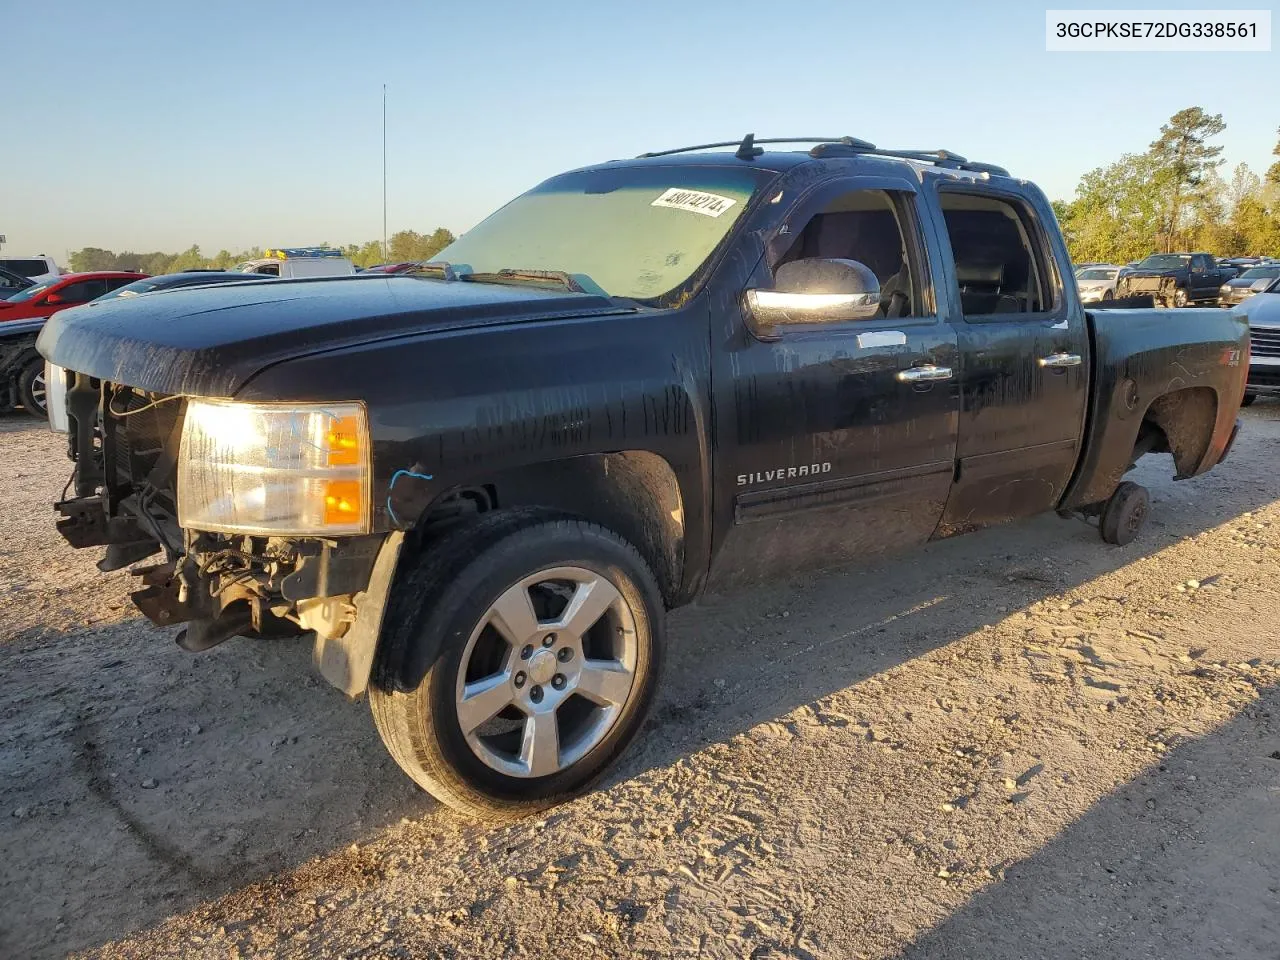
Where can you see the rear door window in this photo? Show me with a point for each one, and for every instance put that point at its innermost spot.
(999, 258)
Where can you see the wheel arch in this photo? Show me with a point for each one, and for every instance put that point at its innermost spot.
(634, 493)
(1182, 422)
(1186, 420)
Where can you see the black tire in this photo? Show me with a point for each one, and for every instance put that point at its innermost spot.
(1180, 298)
(1125, 513)
(440, 598)
(31, 389)
(1109, 295)
(1248, 399)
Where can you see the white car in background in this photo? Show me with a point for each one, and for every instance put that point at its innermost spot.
(290, 263)
(1097, 282)
(37, 269)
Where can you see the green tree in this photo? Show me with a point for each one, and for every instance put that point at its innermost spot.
(1273, 171)
(369, 254)
(1116, 214)
(189, 259)
(1183, 157)
(408, 245)
(93, 258)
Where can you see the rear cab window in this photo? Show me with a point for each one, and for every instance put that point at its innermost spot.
(27, 268)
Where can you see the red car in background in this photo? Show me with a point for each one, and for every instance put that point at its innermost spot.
(45, 299)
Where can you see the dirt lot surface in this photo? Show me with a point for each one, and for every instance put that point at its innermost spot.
(1013, 745)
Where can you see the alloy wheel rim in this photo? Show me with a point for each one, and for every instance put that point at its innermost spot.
(547, 672)
(38, 390)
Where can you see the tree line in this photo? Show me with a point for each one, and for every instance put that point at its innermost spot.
(402, 246)
(1173, 197)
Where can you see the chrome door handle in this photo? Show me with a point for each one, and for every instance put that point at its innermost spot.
(924, 374)
(1060, 360)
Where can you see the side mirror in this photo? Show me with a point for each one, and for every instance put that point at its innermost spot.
(814, 291)
(53, 298)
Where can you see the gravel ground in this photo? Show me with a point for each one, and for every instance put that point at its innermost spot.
(1017, 744)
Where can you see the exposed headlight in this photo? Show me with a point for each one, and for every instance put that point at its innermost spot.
(274, 468)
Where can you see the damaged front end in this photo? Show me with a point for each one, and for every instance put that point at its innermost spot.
(275, 478)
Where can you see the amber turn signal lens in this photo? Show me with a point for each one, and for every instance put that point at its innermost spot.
(341, 501)
(343, 440)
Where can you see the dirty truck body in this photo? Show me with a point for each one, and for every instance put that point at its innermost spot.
(479, 487)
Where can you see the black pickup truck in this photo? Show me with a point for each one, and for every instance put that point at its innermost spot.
(1176, 279)
(477, 489)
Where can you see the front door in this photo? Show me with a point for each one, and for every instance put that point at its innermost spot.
(1024, 367)
(1203, 280)
(836, 440)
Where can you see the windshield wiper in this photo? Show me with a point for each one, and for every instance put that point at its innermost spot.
(509, 275)
(443, 267)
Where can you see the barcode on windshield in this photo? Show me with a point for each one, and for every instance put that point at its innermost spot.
(1120, 31)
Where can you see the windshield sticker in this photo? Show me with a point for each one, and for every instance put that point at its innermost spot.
(695, 201)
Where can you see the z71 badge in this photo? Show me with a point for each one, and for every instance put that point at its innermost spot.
(783, 473)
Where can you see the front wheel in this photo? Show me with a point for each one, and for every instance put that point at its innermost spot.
(1248, 399)
(31, 389)
(1180, 298)
(525, 661)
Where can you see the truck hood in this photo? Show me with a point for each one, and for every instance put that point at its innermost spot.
(1137, 274)
(1260, 310)
(208, 341)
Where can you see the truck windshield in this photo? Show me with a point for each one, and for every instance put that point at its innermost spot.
(1165, 261)
(636, 232)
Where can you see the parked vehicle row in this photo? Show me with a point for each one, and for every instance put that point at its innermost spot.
(1178, 279)
(23, 380)
(519, 456)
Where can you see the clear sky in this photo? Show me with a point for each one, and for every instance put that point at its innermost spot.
(155, 125)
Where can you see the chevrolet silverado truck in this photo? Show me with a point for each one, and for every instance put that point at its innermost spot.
(1176, 279)
(477, 489)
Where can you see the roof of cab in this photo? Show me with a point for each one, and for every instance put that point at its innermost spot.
(748, 152)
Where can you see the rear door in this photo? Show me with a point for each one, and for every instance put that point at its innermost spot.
(836, 441)
(1024, 357)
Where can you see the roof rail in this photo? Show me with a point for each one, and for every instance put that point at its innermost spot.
(749, 149)
(939, 158)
